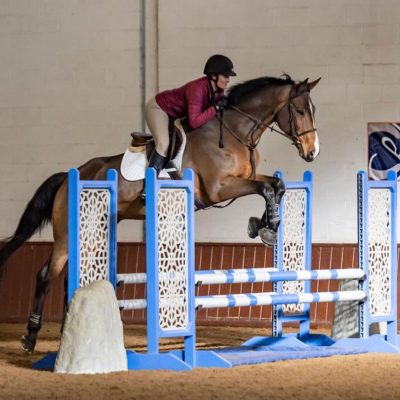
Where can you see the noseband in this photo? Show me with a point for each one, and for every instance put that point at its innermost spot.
(294, 134)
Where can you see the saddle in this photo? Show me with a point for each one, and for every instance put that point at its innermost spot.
(177, 129)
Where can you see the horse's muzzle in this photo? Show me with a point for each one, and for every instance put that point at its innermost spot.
(310, 156)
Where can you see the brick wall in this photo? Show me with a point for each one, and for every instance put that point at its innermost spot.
(17, 285)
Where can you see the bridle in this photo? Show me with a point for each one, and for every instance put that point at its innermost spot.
(259, 126)
(253, 137)
(294, 134)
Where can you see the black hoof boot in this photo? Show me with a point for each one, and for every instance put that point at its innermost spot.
(28, 343)
(267, 236)
(254, 225)
(273, 217)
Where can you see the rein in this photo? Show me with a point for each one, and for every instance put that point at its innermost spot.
(251, 145)
(253, 137)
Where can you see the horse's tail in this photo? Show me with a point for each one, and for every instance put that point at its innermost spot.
(36, 215)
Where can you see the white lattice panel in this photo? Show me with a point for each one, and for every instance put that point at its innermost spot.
(294, 231)
(172, 258)
(94, 222)
(379, 259)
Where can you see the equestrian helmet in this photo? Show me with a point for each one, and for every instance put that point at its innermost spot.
(219, 65)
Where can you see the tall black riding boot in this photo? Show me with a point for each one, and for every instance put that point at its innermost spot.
(157, 162)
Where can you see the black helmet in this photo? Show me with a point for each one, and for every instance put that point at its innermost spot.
(219, 65)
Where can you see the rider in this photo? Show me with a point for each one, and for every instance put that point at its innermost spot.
(198, 100)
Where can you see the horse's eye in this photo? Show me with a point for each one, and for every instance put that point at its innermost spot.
(301, 112)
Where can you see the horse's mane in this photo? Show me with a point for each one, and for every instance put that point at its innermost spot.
(242, 89)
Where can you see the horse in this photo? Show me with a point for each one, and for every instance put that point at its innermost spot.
(223, 156)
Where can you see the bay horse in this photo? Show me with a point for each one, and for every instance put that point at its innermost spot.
(223, 156)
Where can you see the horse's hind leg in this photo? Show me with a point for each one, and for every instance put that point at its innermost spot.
(43, 279)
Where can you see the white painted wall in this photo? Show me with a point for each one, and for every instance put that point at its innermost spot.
(70, 88)
(69, 91)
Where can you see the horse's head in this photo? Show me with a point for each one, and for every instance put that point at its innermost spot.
(296, 119)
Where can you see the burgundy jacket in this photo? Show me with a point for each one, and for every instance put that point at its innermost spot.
(192, 100)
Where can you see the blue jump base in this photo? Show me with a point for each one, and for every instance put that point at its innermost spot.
(256, 350)
(265, 350)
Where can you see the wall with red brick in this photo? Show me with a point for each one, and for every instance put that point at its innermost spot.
(17, 285)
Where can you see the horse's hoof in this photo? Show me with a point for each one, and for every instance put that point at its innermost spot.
(254, 225)
(27, 345)
(267, 236)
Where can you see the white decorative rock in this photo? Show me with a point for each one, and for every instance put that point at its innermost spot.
(92, 340)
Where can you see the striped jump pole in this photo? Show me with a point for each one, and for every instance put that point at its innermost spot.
(252, 275)
(272, 299)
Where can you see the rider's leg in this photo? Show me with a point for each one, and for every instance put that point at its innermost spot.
(157, 121)
(157, 161)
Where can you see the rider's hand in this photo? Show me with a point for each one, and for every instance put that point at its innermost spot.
(221, 103)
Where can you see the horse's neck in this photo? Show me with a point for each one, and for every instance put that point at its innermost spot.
(260, 109)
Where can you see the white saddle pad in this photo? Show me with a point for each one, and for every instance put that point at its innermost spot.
(134, 163)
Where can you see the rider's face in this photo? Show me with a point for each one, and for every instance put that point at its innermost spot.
(223, 81)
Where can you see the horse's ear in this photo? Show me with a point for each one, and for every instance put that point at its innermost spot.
(312, 85)
(302, 86)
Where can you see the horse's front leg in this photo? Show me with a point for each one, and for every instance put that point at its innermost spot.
(267, 226)
(271, 189)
